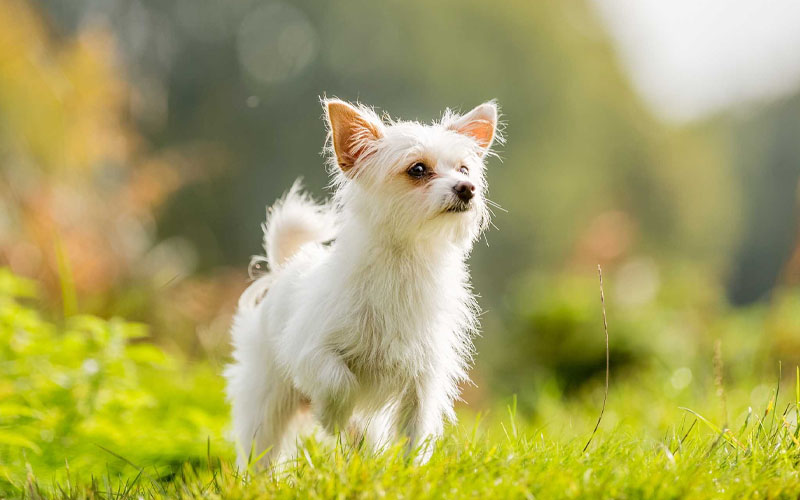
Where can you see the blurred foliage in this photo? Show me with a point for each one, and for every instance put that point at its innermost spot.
(66, 153)
(140, 141)
(78, 185)
(587, 173)
(91, 392)
(667, 322)
(767, 157)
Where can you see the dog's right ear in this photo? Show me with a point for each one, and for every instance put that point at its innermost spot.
(353, 132)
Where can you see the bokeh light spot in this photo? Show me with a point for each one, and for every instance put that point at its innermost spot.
(276, 42)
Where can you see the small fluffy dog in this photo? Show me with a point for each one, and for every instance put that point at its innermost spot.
(373, 331)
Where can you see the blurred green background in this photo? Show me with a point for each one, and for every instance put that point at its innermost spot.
(140, 142)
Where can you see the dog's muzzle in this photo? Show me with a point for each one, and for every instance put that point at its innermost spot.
(464, 191)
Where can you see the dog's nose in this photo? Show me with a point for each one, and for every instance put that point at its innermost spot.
(465, 190)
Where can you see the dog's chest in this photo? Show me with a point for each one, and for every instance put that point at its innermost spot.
(387, 340)
(392, 327)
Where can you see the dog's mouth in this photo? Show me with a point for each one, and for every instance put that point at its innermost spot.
(458, 207)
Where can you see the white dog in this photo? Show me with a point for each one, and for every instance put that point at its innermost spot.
(374, 330)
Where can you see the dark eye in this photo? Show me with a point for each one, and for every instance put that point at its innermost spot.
(417, 170)
(464, 170)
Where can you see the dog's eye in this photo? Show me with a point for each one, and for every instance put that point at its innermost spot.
(417, 170)
(464, 170)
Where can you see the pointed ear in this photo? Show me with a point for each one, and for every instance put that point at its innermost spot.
(352, 131)
(479, 124)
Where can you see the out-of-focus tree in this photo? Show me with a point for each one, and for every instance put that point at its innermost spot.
(588, 176)
(66, 153)
(217, 107)
(767, 158)
(79, 190)
(243, 78)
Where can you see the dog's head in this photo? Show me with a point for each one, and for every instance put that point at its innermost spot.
(409, 178)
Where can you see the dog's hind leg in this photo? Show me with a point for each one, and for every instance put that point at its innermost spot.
(376, 429)
(261, 416)
(280, 408)
(262, 401)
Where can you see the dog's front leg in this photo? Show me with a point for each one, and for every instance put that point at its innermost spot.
(420, 418)
(332, 387)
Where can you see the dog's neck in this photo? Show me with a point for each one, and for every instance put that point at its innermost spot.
(403, 285)
(367, 241)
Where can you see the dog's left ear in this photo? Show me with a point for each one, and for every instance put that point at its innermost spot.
(479, 124)
(353, 130)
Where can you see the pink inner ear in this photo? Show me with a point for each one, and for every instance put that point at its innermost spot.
(480, 130)
(351, 133)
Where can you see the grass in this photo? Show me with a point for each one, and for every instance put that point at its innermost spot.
(89, 410)
(696, 459)
(645, 448)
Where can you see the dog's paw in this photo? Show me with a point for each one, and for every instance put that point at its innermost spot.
(334, 406)
(333, 414)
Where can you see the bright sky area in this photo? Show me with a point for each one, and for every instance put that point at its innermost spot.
(692, 58)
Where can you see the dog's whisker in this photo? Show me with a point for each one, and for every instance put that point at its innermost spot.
(496, 205)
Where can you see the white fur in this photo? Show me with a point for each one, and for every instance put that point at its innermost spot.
(375, 329)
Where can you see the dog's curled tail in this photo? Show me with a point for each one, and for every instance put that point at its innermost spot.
(294, 220)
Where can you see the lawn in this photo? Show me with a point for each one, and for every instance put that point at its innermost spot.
(692, 460)
(89, 409)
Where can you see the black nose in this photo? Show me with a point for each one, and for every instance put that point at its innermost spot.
(465, 190)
